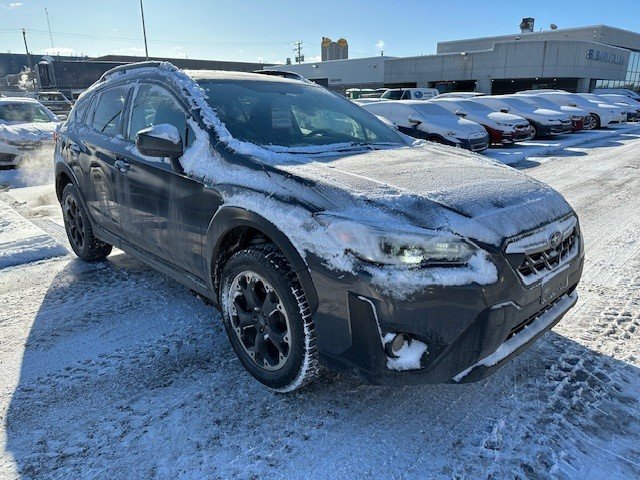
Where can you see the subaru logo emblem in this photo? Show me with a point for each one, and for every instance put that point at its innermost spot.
(555, 240)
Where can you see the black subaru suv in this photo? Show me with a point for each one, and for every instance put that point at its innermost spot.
(324, 236)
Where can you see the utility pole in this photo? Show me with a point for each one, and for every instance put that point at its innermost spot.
(50, 36)
(144, 32)
(26, 47)
(298, 51)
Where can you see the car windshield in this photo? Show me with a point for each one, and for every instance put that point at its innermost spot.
(292, 115)
(393, 94)
(24, 113)
(518, 104)
(432, 109)
(541, 102)
(472, 106)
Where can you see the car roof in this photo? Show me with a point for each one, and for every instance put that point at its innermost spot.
(226, 75)
(18, 100)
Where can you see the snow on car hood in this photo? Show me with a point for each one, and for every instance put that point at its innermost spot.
(547, 113)
(507, 118)
(27, 132)
(459, 126)
(441, 188)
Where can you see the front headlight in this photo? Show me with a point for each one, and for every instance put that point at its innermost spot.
(387, 246)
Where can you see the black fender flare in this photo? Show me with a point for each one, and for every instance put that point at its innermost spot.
(228, 218)
(63, 168)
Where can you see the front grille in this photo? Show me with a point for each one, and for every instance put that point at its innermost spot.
(547, 259)
(528, 321)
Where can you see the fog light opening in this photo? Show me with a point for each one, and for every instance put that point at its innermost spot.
(395, 345)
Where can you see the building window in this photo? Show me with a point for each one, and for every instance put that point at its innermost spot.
(632, 79)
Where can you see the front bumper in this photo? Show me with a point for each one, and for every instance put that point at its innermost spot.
(475, 144)
(461, 325)
(550, 130)
(13, 154)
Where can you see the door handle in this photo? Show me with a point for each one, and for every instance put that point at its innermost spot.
(74, 149)
(122, 165)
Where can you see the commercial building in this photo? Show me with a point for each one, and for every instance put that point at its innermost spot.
(574, 59)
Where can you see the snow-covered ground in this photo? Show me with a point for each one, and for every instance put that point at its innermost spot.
(112, 370)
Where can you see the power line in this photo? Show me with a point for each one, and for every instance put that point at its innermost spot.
(138, 39)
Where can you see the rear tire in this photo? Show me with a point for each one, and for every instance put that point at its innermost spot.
(76, 222)
(267, 318)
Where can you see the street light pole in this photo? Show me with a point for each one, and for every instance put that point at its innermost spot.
(26, 47)
(144, 32)
(46, 12)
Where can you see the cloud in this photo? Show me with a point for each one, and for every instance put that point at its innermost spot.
(178, 51)
(15, 5)
(59, 51)
(380, 44)
(129, 51)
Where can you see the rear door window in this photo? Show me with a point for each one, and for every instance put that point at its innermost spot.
(107, 117)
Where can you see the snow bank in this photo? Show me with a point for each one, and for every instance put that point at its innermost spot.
(512, 154)
(521, 338)
(22, 242)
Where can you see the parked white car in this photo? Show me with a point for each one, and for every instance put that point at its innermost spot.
(619, 91)
(603, 114)
(458, 95)
(410, 94)
(544, 122)
(430, 121)
(597, 100)
(619, 99)
(629, 111)
(25, 125)
(503, 128)
(580, 118)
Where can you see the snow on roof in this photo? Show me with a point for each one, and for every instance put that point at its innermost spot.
(18, 100)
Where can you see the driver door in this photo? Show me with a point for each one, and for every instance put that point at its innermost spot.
(161, 206)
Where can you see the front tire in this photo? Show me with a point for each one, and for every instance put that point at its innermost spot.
(76, 222)
(267, 318)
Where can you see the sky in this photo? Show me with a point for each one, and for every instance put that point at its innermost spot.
(264, 31)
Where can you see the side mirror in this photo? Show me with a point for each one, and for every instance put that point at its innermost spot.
(504, 110)
(161, 140)
(414, 120)
(460, 113)
(61, 117)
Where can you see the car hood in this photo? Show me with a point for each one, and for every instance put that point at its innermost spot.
(461, 127)
(507, 118)
(27, 132)
(548, 112)
(434, 187)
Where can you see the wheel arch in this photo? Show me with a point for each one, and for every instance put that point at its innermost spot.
(234, 228)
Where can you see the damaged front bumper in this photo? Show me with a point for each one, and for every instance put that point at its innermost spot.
(469, 331)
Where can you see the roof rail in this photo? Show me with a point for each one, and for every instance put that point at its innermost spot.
(283, 74)
(129, 66)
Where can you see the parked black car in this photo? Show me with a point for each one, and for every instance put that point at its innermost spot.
(320, 233)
